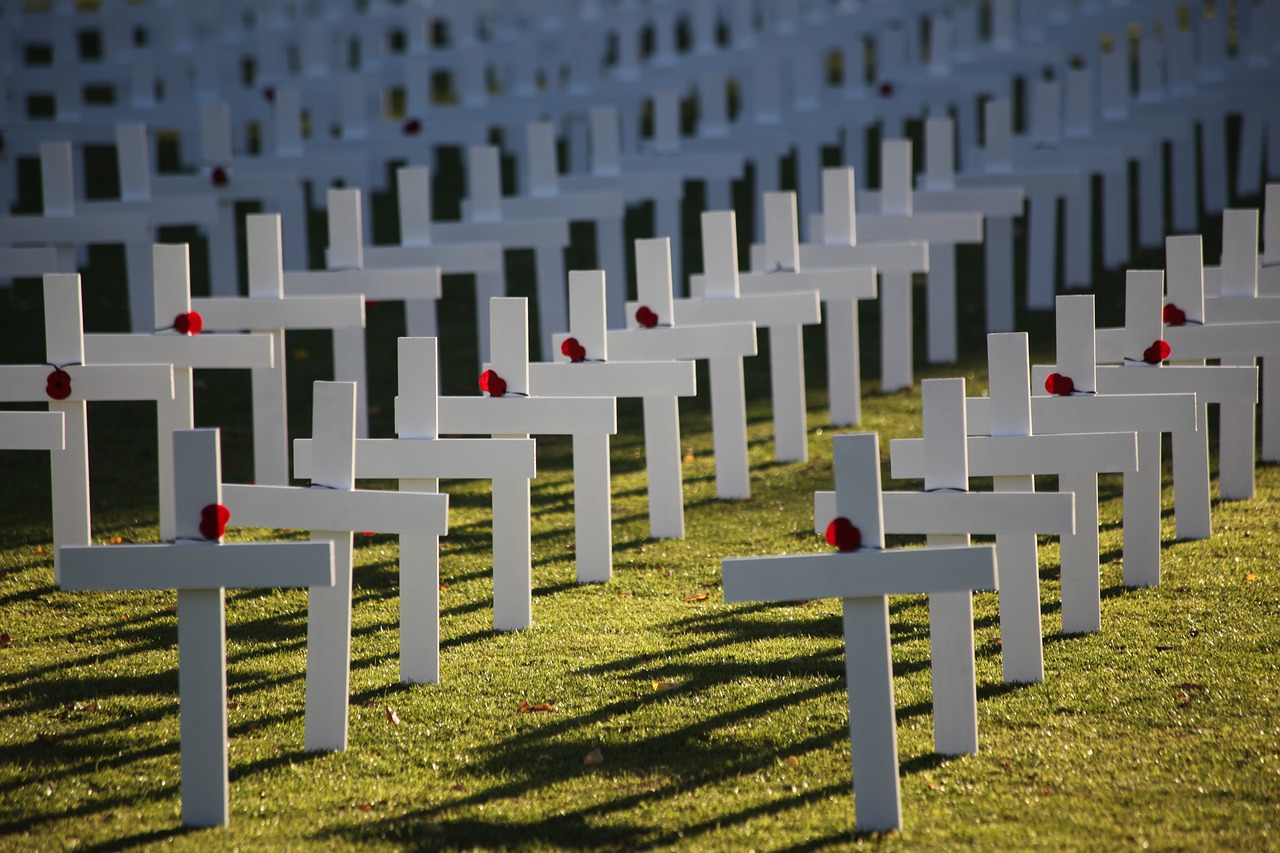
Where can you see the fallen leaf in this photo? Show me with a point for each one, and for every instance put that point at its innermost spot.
(666, 685)
(365, 807)
(995, 641)
(457, 787)
(688, 457)
(392, 717)
(625, 595)
(526, 708)
(1250, 576)
(594, 755)
(40, 550)
(444, 586)
(793, 761)
(5, 638)
(233, 705)
(115, 540)
(702, 596)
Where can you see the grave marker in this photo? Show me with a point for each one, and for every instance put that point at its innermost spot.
(583, 367)
(863, 575)
(419, 458)
(66, 381)
(200, 567)
(332, 509)
(653, 335)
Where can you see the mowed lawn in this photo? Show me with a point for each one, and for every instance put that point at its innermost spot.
(640, 713)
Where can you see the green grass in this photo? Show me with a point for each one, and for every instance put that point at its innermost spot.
(719, 727)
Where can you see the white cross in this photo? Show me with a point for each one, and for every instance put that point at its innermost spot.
(717, 169)
(486, 212)
(717, 298)
(518, 412)
(169, 346)
(1242, 289)
(1229, 387)
(346, 274)
(840, 290)
(1045, 184)
(864, 579)
(267, 311)
(589, 371)
(948, 512)
(419, 458)
(200, 567)
(66, 229)
(65, 382)
(1086, 410)
(332, 509)
(546, 198)
(1230, 343)
(27, 261)
(233, 179)
(724, 345)
(895, 263)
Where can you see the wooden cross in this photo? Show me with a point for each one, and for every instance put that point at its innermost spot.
(66, 381)
(66, 230)
(267, 311)
(1081, 408)
(718, 299)
(419, 458)
(895, 263)
(486, 211)
(332, 509)
(840, 290)
(1233, 387)
(653, 335)
(510, 408)
(584, 368)
(200, 567)
(947, 512)
(346, 274)
(232, 180)
(1242, 289)
(186, 350)
(864, 577)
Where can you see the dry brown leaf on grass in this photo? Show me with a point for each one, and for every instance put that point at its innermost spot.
(1250, 576)
(392, 717)
(660, 686)
(594, 755)
(702, 596)
(536, 707)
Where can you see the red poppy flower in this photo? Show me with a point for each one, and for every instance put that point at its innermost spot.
(218, 176)
(645, 317)
(1156, 353)
(213, 521)
(1174, 316)
(411, 127)
(885, 89)
(843, 535)
(58, 385)
(574, 350)
(1061, 385)
(269, 94)
(190, 323)
(492, 384)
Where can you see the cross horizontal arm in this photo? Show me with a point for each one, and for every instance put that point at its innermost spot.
(1235, 309)
(989, 201)
(885, 257)
(244, 565)
(528, 415)
(614, 379)
(432, 458)
(217, 351)
(859, 574)
(983, 513)
(666, 344)
(28, 261)
(1216, 384)
(1103, 413)
(449, 257)
(836, 284)
(1017, 455)
(79, 229)
(32, 431)
(410, 283)
(765, 310)
(286, 507)
(25, 383)
(511, 234)
(930, 227)
(1225, 340)
(237, 314)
